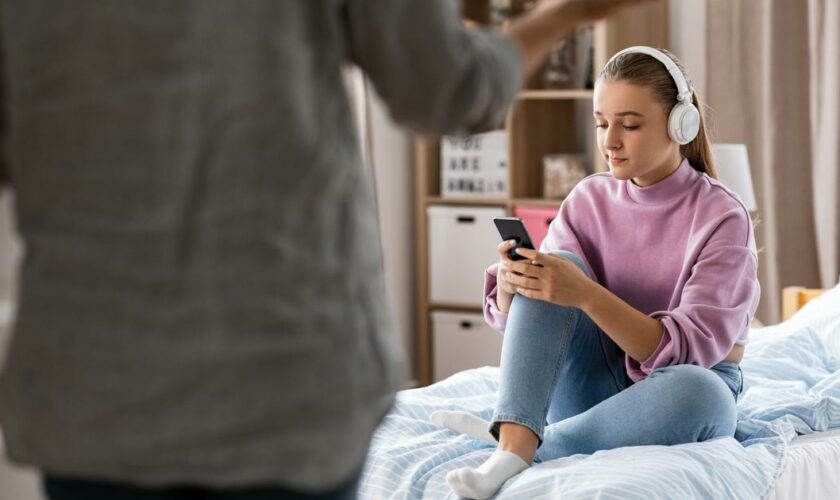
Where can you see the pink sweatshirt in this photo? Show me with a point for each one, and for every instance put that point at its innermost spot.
(681, 251)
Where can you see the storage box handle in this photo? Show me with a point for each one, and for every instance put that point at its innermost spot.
(466, 219)
(466, 324)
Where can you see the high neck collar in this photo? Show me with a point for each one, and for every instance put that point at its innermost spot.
(664, 190)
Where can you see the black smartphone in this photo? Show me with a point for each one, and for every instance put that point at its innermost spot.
(512, 228)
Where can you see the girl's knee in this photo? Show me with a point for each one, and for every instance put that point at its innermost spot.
(707, 399)
(574, 259)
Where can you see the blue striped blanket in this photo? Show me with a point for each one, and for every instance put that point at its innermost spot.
(792, 385)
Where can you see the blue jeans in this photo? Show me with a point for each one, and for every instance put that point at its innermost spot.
(564, 378)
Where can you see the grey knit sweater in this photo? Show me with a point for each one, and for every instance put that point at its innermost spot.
(202, 297)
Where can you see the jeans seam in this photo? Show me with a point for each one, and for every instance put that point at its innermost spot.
(609, 362)
(726, 375)
(564, 349)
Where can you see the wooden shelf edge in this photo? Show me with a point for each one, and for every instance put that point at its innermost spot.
(453, 306)
(543, 202)
(441, 200)
(500, 202)
(556, 94)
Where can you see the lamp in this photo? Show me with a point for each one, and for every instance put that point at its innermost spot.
(733, 169)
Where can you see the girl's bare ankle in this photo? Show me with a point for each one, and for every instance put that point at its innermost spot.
(518, 439)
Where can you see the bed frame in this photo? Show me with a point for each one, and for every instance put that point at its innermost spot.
(794, 297)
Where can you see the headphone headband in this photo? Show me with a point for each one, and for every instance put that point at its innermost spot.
(684, 90)
(684, 118)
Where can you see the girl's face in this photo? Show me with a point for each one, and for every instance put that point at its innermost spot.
(633, 133)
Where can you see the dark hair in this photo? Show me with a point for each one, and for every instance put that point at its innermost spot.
(645, 71)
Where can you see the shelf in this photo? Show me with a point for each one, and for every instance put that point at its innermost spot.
(541, 122)
(495, 202)
(542, 202)
(557, 94)
(440, 200)
(450, 306)
(542, 128)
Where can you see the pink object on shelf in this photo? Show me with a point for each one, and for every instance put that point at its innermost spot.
(537, 220)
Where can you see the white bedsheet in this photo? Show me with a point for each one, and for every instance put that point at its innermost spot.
(792, 385)
(812, 468)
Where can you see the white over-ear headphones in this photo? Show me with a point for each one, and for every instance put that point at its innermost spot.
(684, 119)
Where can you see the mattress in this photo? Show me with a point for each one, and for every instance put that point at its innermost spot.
(811, 469)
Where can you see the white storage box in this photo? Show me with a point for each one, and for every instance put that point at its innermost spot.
(462, 244)
(462, 341)
(474, 166)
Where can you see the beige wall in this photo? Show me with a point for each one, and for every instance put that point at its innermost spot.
(10, 251)
(688, 39)
(15, 483)
(393, 167)
(9, 246)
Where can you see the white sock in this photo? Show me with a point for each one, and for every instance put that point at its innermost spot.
(486, 480)
(463, 423)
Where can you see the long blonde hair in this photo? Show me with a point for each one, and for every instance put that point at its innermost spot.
(645, 71)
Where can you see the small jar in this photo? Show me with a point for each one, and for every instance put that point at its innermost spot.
(561, 172)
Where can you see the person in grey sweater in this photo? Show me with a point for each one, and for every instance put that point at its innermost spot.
(202, 311)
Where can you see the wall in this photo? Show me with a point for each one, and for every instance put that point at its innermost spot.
(688, 39)
(394, 174)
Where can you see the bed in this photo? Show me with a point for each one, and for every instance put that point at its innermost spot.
(787, 445)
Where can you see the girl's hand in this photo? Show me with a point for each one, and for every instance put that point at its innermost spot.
(504, 289)
(502, 282)
(548, 278)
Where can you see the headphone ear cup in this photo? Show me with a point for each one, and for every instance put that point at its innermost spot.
(683, 123)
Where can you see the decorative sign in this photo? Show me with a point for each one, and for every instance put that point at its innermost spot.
(474, 166)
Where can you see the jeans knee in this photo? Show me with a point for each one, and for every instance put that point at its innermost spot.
(533, 308)
(707, 399)
(574, 259)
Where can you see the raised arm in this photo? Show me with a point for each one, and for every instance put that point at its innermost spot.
(439, 77)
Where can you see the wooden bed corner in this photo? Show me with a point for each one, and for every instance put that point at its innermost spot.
(794, 297)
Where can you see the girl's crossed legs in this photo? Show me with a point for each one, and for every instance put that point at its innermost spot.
(563, 379)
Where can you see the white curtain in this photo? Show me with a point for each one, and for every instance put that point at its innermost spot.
(772, 83)
(824, 48)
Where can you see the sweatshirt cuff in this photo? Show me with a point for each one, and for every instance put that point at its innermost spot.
(494, 317)
(664, 354)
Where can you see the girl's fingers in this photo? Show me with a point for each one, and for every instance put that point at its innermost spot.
(528, 253)
(523, 281)
(524, 267)
(531, 294)
(504, 248)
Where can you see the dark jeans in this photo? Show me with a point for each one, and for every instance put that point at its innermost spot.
(72, 489)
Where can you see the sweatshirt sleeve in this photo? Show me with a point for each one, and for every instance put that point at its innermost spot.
(436, 76)
(716, 306)
(494, 317)
(564, 231)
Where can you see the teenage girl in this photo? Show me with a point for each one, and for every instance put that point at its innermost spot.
(628, 325)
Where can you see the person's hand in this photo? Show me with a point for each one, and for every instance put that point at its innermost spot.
(537, 32)
(504, 289)
(546, 277)
(588, 10)
(502, 282)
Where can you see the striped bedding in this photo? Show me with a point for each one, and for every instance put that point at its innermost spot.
(792, 385)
